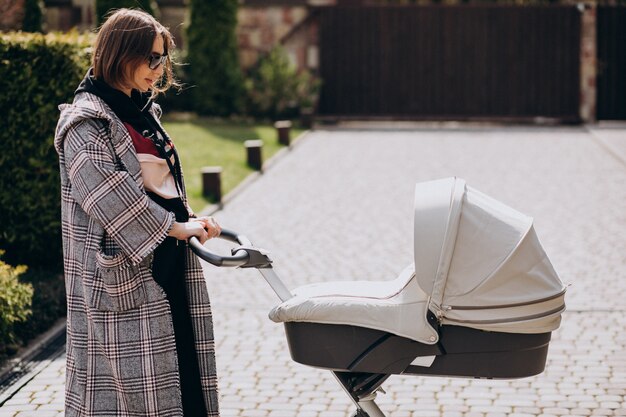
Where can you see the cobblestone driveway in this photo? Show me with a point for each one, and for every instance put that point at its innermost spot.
(339, 207)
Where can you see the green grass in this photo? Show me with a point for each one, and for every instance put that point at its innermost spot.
(205, 142)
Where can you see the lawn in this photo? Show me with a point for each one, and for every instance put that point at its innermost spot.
(205, 142)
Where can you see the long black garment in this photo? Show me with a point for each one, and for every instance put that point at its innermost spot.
(168, 269)
(168, 266)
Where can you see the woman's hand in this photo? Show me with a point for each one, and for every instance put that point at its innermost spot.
(209, 224)
(204, 228)
(184, 231)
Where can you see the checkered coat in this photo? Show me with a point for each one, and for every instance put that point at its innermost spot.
(121, 352)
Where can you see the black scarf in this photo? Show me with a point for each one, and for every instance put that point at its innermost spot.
(134, 110)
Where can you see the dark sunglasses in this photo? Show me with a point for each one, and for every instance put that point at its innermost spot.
(154, 60)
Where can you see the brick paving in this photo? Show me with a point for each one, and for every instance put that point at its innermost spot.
(339, 207)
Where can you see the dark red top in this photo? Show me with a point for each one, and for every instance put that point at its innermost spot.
(141, 143)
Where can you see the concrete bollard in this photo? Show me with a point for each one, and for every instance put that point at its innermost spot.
(283, 127)
(212, 183)
(254, 155)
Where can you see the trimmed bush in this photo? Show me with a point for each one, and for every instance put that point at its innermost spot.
(15, 303)
(275, 89)
(104, 6)
(37, 73)
(212, 56)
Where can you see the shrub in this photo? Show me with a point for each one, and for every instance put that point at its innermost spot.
(15, 302)
(212, 55)
(275, 89)
(104, 6)
(47, 307)
(37, 73)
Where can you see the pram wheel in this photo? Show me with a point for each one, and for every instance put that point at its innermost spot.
(360, 413)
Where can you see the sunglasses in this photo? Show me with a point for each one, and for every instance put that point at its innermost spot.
(154, 60)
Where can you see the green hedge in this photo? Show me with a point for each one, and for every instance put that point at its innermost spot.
(37, 73)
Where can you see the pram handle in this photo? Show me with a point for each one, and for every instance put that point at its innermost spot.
(239, 258)
(243, 256)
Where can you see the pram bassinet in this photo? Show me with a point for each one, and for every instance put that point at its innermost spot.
(480, 302)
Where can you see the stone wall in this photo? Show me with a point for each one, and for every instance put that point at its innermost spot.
(261, 24)
(259, 29)
(63, 15)
(11, 14)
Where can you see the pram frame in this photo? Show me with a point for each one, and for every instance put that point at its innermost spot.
(360, 388)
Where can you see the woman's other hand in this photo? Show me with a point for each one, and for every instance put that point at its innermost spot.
(209, 224)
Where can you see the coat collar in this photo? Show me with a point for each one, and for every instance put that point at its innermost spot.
(89, 106)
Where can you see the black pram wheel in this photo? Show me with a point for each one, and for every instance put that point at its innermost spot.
(360, 413)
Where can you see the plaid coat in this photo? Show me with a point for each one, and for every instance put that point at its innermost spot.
(121, 352)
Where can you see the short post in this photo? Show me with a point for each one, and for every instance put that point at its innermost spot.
(283, 126)
(253, 151)
(306, 117)
(212, 183)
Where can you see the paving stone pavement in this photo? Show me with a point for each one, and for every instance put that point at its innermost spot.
(339, 207)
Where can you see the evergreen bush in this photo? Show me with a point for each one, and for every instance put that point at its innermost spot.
(33, 16)
(213, 68)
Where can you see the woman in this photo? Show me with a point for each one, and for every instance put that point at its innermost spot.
(139, 328)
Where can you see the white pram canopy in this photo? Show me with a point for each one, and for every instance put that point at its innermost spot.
(481, 262)
(478, 263)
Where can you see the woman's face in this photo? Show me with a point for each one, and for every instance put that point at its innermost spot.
(143, 77)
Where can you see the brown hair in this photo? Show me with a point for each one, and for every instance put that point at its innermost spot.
(124, 42)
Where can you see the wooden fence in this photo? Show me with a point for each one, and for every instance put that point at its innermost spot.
(462, 62)
(611, 36)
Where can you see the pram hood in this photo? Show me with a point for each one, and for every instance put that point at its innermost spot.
(481, 262)
(478, 263)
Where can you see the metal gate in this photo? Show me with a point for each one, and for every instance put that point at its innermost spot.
(441, 62)
(611, 37)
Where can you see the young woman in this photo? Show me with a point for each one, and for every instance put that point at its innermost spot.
(139, 328)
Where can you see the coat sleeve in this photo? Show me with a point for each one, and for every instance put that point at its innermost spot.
(111, 196)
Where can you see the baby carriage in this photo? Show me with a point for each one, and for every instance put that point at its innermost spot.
(480, 301)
